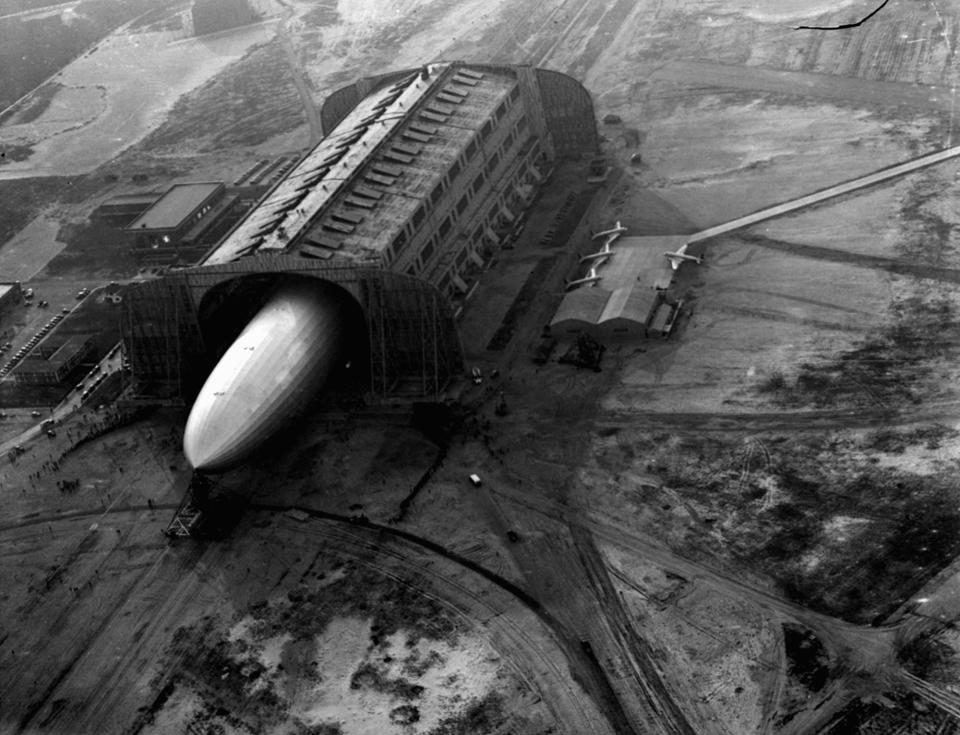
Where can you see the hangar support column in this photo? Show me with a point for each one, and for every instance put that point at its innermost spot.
(414, 345)
(161, 337)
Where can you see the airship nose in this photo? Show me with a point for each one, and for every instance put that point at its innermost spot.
(272, 370)
(206, 449)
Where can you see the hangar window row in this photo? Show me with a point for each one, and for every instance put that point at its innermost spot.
(466, 80)
(454, 98)
(397, 156)
(454, 92)
(312, 171)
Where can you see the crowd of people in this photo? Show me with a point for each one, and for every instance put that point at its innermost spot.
(90, 426)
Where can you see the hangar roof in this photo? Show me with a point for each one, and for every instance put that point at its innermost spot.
(358, 187)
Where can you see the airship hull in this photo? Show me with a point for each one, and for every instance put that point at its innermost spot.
(269, 374)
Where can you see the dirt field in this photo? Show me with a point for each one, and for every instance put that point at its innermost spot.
(746, 528)
(115, 94)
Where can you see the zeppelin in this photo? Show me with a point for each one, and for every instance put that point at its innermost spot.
(268, 375)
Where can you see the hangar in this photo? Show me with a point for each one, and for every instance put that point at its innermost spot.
(625, 294)
(420, 174)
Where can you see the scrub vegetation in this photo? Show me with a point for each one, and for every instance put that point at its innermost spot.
(835, 528)
(249, 102)
(893, 367)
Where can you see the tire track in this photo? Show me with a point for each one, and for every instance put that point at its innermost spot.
(37, 706)
(813, 420)
(858, 260)
(565, 701)
(864, 644)
(636, 650)
(136, 658)
(78, 514)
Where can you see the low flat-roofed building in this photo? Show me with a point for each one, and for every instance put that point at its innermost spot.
(623, 299)
(174, 226)
(36, 369)
(177, 207)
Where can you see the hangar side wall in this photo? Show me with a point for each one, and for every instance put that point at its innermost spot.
(480, 194)
(569, 113)
(162, 339)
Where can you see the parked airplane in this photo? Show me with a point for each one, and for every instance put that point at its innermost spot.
(605, 252)
(680, 256)
(590, 278)
(616, 231)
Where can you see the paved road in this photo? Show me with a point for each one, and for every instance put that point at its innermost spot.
(300, 79)
(71, 403)
(857, 260)
(832, 192)
(849, 91)
(41, 11)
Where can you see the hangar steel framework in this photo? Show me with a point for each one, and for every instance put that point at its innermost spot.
(414, 346)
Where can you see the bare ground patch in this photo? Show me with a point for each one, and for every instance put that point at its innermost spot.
(818, 514)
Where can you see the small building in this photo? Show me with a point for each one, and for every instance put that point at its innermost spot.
(661, 322)
(10, 295)
(123, 209)
(176, 226)
(52, 366)
(626, 295)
